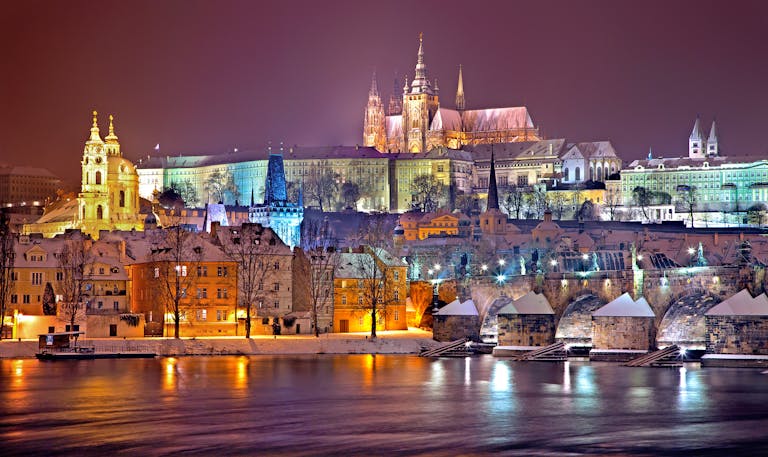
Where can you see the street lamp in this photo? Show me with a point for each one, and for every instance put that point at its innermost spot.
(501, 262)
(484, 267)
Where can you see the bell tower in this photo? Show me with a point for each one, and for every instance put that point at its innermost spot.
(420, 104)
(93, 199)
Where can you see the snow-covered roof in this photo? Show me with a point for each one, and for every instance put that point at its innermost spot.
(483, 120)
(741, 304)
(530, 303)
(446, 119)
(456, 308)
(624, 306)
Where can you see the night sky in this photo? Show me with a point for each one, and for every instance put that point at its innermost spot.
(206, 77)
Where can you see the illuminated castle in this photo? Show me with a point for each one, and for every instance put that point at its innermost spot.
(109, 192)
(420, 124)
(277, 213)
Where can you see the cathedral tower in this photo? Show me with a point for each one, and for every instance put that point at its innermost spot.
(373, 125)
(696, 146)
(712, 145)
(420, 104)
(395, 103)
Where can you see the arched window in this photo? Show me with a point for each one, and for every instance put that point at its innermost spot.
(99, 212)
(578, 174)
(83, 212)
(122, 199)
(98, 177)
(599, 173)
(566, 177)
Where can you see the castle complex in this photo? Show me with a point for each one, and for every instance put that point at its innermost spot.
(420, 124)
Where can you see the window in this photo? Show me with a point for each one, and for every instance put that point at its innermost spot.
(218, 293)
(202, 271)
(343, 299)
(122, 199)
(360, 299)
(277, 265)
(224, 293)
(202, 314)
(578, 174)
(181, 270)
(157, 272)
(218, 314)
(25, 298)
(14, 298)
(101, 270)
(98, 178)
(115, 305)
(15, 275)
(99, 212)
(396, 275)
(276, 286)
(396, 315)
(37, 278)
(277, 303)
(396, 295)
(522, 180)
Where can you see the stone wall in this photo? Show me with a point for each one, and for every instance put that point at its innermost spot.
(526, 329)
(737, 335)
(613, 332)
(450, 328)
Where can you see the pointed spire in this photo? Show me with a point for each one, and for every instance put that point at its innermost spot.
(253, 200)
(95, 137)
(374, 91)
(460, 103)
(405, 84)
(395, 103)
(712, 133)
(650, 153)
(696, 133)
(111, 138)
(420, 83)
(493, 191)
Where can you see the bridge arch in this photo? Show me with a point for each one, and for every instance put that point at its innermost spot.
(684, 323)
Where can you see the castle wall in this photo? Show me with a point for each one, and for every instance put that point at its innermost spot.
(737, 335)
(526, 329)
(621, 332)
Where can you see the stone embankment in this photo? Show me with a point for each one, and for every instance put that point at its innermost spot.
(410, 342)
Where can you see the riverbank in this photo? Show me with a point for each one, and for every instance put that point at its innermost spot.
(388, 342)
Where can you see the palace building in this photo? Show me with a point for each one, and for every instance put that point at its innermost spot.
(420, 124)
(109, 192)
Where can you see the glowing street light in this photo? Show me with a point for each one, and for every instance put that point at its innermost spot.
(500, 278)
(691, 250)
(584, 256)
(501, 262)
(431, 271)
(553, 262)
(484, 267)
(639, 257)
(437, 267)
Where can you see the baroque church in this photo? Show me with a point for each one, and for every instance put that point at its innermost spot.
(109, 192)
(420, 124)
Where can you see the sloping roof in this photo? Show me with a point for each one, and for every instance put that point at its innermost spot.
(624, 306)
(446, 119)
(741, 304)
(490, 119)
(530, 303)
(26, 171)
(456, 308)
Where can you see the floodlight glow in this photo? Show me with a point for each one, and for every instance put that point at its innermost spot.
(553, 262)
(501, 278)
(501, 262)
(437, 267)
(584, 257)
(484, 267)
(691, 251)
(639, 257)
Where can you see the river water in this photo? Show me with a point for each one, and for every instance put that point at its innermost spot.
(377, 405)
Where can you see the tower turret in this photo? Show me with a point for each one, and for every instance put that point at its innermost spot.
(420, 84)
(493, 191)
(395, 102)
(112, 145)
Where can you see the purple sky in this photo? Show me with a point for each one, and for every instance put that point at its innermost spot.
(205, 77)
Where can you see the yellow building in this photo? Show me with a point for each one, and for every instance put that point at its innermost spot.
(109, 192)
(356, 275)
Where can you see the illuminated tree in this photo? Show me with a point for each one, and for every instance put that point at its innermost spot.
(321, 260)
(641, 197)
(320, 187)
(427, 192)
(221, 187)
(75, 267)
(350, 193)
(514, 201)
(687, 201)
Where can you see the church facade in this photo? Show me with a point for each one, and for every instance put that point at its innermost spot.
(109, 192)
(419, 123)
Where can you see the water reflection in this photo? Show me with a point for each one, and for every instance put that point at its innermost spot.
(383, 405)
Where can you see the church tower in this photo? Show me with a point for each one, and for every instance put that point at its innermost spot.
(93, 199)
(373, 125)
(420, 104)
(696, 146)
(712, 146)
(460, 103)
(493, 221)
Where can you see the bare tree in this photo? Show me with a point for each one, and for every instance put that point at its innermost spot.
(536, 202)
(556, 203)
(253, 247)
(350, 193)
(221, 186)
(320, 187)
(514, 201)
(612, 202)
(427, 191)
(188, 192)
(7, 258)
(688, 199)
(174, 257)
(75, 265)
(322, 259)
(642, 199)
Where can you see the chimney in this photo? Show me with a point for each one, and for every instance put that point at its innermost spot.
(215, 229)
(741, 236)
(547, 216)
(121, 248)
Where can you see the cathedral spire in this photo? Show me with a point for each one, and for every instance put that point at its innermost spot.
(420, 83)
(713, 148)
(460, 103)
(95, 137)
(374, 91)
(493, 191)
(395, 103)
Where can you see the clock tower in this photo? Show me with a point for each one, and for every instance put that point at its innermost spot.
(93, 199)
